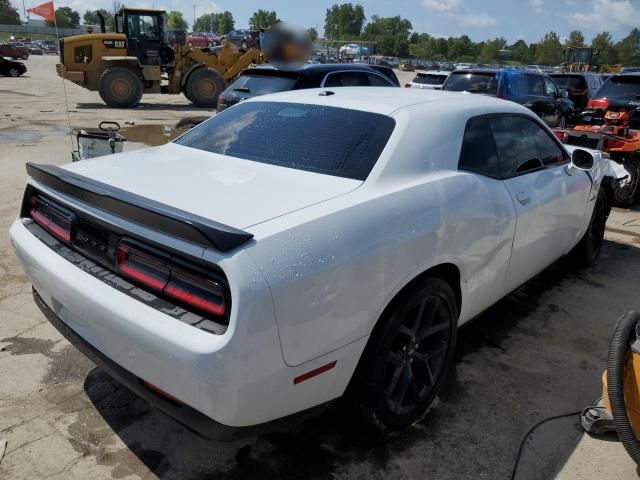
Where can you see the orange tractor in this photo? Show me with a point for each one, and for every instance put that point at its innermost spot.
(611, 123)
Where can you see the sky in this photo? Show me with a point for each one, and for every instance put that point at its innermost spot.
(479, 19)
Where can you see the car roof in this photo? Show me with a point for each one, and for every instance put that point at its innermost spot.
(385, 101)
(311, 67)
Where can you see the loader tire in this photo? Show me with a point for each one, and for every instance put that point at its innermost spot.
(120, 87)
(203, 87)
(629, 194)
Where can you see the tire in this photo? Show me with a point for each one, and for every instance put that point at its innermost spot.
(629, 194)
(14, 72)
(25, 57)
(408, 357)
(120, 87)
(203, 87)
(587, 251)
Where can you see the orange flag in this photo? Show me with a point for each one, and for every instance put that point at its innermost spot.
(45, 11)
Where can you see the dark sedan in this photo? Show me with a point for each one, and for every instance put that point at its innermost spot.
(11, 68)
(267, 79)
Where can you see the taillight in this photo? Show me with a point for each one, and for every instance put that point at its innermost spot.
(610, 143)
(142, 267)
(560, 135)
(53, 220)
(188, 286)
(599, 103)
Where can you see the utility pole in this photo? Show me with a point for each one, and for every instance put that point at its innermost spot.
(194, 17)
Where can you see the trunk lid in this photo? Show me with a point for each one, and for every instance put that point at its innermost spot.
(235, 192)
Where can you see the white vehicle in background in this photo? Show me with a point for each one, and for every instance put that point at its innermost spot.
(428, 80)
(351, 49)
(302, 243)
(463, 66)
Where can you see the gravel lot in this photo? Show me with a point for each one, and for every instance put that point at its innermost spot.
(539, 352)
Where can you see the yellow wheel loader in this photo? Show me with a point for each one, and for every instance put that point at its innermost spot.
(138, 58)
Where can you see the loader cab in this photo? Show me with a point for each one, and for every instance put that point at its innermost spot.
(145, 31)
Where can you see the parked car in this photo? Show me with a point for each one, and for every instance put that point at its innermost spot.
(49, 46)
(579, 86)
(11, 68)
(202, 40)
(243, 38)
(265, 79)
(526, 87)
(7, 50)
(406, 66)
(176, 37)
(350, 49)
(34, 49)
(297, 236)
(429, 80)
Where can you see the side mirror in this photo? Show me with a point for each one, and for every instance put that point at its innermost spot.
(582, 159)
(564, 94)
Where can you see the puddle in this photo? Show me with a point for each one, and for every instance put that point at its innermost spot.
(25, 135)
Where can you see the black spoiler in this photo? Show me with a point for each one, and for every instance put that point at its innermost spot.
(143, 211)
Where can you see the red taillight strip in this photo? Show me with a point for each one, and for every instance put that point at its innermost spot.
(140, 276)
(313, 373)
(50, 226)
(194, 300)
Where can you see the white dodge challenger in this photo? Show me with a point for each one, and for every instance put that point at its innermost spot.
(302, 243)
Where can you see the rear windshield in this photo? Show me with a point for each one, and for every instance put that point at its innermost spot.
(329, 140)
(570, 82)
(429, 79)
(262, 84)
(621, 86)
(472, 82)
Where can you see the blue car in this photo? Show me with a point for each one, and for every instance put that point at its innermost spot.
(534, 90)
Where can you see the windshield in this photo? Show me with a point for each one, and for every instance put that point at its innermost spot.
(262, 84)
(328, 140)
(429, 79)
(472, 82)
(572, 82)
(621, 86)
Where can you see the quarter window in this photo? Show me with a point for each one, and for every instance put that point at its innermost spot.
(478, 152)
(377, 80)
(523, 146)
(550, 88)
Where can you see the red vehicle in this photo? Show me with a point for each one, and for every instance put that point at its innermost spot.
(7, 50)
(197, 39)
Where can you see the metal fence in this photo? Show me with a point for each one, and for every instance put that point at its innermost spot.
(25, 30)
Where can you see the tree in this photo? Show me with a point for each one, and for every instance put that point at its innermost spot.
(219, 23)
(576, 39)
(313, 34)
(460, 47)
(263, 19)
(66, 17)
(8, 14)
(343, 21)
(176, 21)
(629, 48)
(602, 44)
(91, 17)
(549, 51)
(519, 51)
(490, 52)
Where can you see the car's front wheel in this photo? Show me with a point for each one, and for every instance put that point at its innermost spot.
(588, 250)
(409, 357)
(14, 72)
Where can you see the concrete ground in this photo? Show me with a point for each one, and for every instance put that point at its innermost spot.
(538, 353)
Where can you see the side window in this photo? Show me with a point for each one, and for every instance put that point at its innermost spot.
(347, 79)
(478, 152)
(377, 81)
(550, 89)
(523, 146)
(82, 54)
(536, 85)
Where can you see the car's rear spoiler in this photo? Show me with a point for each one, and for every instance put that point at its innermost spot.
(143, 211)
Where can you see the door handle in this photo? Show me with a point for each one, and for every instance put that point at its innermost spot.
(523, 198)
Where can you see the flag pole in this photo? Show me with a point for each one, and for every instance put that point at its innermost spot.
(64, 85)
